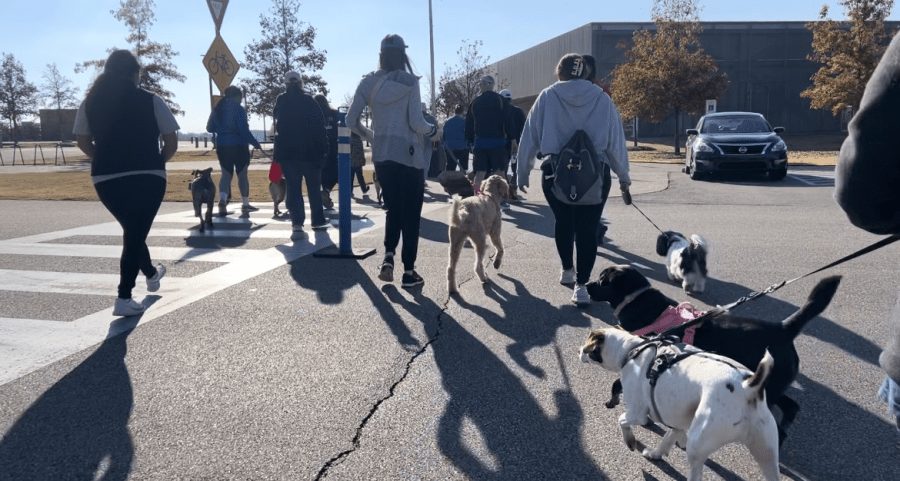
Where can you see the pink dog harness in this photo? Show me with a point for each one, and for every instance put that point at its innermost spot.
(674, 317)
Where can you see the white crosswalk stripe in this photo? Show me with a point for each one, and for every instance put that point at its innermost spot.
(814, 177)
(29, 344)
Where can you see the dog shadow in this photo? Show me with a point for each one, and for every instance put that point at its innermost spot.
(528, 320)
(78, 429)
(492, 428)
(720, 292)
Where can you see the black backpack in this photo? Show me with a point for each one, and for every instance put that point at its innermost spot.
(576, 172)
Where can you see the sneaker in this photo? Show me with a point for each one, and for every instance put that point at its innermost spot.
(386, 273)
(222, 209)
(365, 189)
(326, 200)
(127, 307)
(249, 208)
(411, 280)
(321, 226)
(504, 206)
(512, 195)
(580, 296)
(153, 282)
(567, 277)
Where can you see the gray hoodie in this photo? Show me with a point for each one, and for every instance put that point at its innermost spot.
(559, 111)
(398, 127)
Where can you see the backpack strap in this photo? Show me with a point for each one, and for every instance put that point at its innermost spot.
(375, 89)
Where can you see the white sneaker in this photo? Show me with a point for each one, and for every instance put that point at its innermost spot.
(127, 307)
(321, 226)
(567, 277)
(153, 282)
(580, 296)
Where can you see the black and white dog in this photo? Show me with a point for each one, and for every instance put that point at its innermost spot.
(685, 260)
(637, 305)
(706, 401)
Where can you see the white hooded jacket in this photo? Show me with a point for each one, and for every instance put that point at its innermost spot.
(558, 112)
(398, 127)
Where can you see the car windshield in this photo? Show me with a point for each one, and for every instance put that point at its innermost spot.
(735, 125)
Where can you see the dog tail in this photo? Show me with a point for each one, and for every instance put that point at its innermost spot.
(819, 299)
(454, 212)
(699, 242)
(756, 384)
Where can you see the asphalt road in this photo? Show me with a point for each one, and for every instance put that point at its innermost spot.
(258, 360)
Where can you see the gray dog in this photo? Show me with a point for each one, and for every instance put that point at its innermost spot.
(203, 191)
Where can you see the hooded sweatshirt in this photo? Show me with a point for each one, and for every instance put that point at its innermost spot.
(558, 112)
(398, 126)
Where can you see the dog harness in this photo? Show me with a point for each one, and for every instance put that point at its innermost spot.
(671, 318)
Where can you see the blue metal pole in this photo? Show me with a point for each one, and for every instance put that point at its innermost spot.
(344, 183)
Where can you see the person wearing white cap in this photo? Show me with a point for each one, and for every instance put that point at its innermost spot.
(301, 147)
(399, 152)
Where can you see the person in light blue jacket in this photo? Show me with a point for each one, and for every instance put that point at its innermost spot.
(399, 151)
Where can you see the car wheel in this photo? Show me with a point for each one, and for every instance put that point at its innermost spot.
(694, 174)
(778, 174)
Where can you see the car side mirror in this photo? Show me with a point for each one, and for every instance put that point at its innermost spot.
(692, 131)
(778, 130)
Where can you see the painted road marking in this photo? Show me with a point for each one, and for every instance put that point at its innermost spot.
(814, 177)
(30, 344)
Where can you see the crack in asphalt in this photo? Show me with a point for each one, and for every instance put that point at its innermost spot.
(359, 430)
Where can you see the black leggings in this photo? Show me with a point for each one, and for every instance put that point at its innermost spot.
(576, 226)
(403, 191)
(134, 201)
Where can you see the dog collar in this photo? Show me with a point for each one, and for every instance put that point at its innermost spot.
(630, 298)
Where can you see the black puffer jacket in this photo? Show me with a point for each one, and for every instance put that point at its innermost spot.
(867, 183)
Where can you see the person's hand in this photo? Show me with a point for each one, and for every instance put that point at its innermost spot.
(626, 194)
(436, 137)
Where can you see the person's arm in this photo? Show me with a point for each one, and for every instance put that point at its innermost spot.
(469, 130)
(170, 146)
(417, 120)
(354, 113)
(244, 127)
(86, 144)
(868, 167)
(530, 141)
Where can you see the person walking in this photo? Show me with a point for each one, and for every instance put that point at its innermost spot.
(330, 170)
(454, 137)
(357, 162)
(866, 188)
(515, 122)
(301, 147)
(118, 126)
(398, 151)
(558, 112)
(228, 121)
(484, 131)
(590, 74)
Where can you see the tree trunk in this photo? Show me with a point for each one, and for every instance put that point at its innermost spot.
(677, 132)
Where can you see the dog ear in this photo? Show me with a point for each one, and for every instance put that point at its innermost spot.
(662, 245)
(598, 293)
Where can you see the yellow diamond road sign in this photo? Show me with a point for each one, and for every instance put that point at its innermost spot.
(220, 63)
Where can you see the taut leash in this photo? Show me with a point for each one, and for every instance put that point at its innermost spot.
(645, 216)
(774, 287)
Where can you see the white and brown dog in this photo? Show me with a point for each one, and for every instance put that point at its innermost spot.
(706, 400)
(477, 218)
(685, 260)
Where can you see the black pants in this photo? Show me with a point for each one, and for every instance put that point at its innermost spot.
(330, 173)
(403, 192)
(462, 159)
(134, 201)
(358, 173)
(576, 226)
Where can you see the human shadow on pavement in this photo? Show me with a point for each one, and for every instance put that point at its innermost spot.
(208, 239)
(493, 428)
(720, 292)
(528, 320)
(78, 429)
(534, 218)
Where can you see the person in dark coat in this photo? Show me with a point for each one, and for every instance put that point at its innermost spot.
(515, 122)
(866, 187)
(330, 170)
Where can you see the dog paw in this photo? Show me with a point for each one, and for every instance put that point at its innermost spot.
(496, 263)
(630, 441)
(652, 454)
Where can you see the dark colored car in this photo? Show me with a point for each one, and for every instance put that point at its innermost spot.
(735, 142)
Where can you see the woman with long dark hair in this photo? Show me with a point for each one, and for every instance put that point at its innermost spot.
(233, 139)
(118, 126)
(398, 151)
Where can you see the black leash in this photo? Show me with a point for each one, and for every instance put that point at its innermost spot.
(645, 216)
(774, 287)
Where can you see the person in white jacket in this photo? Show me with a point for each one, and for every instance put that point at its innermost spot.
(558, 112)
(399, 151)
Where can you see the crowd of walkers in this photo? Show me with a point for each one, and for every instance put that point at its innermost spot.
(119, 127)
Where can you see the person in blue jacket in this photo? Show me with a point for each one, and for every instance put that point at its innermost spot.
(455, 140)
(228, 121)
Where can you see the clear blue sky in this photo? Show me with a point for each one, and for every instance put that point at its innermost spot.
(41, 32)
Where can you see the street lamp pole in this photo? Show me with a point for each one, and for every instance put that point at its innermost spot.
(431, 35)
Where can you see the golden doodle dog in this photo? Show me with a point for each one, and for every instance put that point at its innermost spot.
(477, 218)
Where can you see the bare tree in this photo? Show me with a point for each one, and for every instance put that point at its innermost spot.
(667, 72)
(156, 58)
(18, 96)
(58, 93)
(848, 52)
(459, 83)
(287, 44)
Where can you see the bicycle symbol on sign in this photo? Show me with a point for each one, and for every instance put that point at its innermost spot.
(220, 62)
